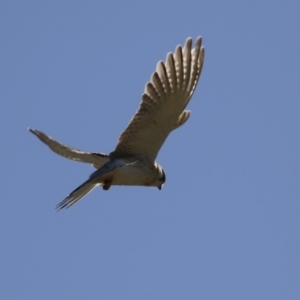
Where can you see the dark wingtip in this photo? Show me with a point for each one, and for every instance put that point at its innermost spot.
(33, 131)
(39, 134)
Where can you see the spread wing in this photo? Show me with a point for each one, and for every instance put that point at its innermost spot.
(163, 102)
(97, 159)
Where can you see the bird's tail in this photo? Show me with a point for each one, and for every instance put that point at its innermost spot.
(77, 194)
(93, 181)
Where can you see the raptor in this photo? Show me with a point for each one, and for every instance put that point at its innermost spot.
(161, 111)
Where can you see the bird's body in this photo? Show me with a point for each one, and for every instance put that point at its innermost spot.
(131, 171)
(162, 110)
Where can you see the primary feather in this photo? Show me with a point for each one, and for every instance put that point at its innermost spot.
(163, 102)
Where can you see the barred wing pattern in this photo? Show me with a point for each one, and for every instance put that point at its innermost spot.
(97, 159)
(163, 102)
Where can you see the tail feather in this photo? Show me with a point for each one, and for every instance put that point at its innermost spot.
(91, 183)
(77, 194)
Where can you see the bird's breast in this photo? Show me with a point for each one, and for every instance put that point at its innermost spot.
(137, 173)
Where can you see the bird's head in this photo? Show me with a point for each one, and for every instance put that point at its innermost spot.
(161, 176)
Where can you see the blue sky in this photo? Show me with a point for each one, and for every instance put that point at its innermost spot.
(225, 225)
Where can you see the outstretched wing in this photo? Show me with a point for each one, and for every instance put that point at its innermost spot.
(97, 159)
(163, 102)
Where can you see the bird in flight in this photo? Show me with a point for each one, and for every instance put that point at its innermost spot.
(161, 111)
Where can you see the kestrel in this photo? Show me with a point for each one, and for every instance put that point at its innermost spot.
(161, 111)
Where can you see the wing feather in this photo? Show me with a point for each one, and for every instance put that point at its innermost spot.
(179, 67)
(163, 102)
(152, 92)
(171, 71)
(182, 118)
(196, 66)
(187, 62)
(158, 85)
(162, 73)
(97, 159)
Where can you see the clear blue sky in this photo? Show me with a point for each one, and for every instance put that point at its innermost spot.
(226, 224)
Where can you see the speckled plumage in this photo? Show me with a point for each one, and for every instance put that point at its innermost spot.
(161, 111)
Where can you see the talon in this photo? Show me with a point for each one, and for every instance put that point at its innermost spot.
(107, 184)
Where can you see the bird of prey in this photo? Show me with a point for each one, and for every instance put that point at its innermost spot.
(161, 111)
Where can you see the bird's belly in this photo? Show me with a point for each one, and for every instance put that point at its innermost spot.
(133, 175)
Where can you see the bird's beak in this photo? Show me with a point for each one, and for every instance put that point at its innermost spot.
(159, 187)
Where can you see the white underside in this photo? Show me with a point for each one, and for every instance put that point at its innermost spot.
(136, 174)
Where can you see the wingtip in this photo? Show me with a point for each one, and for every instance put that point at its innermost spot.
(34, 131)
(188, 43)
(198, 42)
